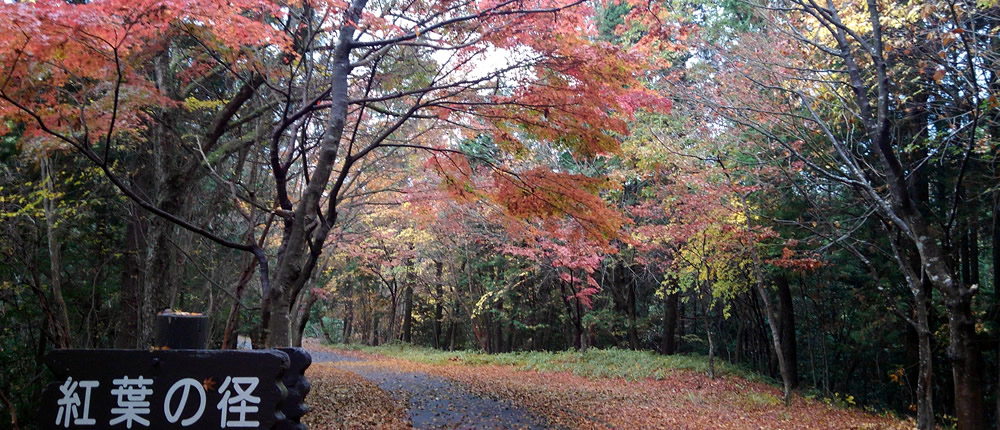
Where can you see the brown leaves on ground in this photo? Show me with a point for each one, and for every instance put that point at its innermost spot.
(342, 400)
(684, 400)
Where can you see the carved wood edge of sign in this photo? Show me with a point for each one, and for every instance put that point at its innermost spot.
(298, 387)
(189, 389)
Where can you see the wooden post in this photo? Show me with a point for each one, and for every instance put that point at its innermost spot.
(181, 331)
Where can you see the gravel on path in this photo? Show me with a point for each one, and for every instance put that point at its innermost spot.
(434, 402)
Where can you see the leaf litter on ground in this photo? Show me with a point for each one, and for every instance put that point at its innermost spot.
(343, 400)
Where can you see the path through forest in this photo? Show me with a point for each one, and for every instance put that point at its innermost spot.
(355, 389)
(433, 402)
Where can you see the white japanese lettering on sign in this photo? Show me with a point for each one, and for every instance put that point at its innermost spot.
(132, 403)
(238, 404)
(186, 384)
(70, 401)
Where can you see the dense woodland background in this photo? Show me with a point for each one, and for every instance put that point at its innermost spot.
(809, 190)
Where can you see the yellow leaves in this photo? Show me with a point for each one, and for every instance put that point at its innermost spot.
(639, 237)
(7, 286)
(485, 302)
(30, 206)
(193, 104)
(897, 376)
(244, 206)
(413, 237)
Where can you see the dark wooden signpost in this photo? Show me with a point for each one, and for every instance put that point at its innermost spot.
(176, 388)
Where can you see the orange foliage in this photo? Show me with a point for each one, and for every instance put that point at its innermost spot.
(580, 92)
(541, 193)
(800, 263)
(78, 65)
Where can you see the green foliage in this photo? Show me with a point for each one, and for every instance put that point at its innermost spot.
(611, 15)
(480, 150)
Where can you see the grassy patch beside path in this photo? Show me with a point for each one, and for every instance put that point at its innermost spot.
(594, 363)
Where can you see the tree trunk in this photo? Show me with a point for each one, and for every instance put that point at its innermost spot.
(995, 239)
(296, 240)
(966, 365)
(498, 326)
(582, 340)
(328, 334)
(772, 319)
(132, 278)
(964, 254)
(963, 349)
(172, 180)
(788, 328)
(348, 321)
(453, 318)
(60, 316)
(633, 333)
(772, 322)
(974, 253)
(438, 304)
(511, 337)
(920, 287)
(451, 335)
(229, 335)
(574, 317)
(302, 317)
(681, 328)
(393, 309)
(925, 379)
(711, 343)
(407, 323)
(408, 314)
(668, 343)
(373, 336)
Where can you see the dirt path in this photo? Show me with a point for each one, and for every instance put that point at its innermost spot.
(433, 402)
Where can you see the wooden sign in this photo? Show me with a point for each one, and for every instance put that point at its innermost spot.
(171, 389)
